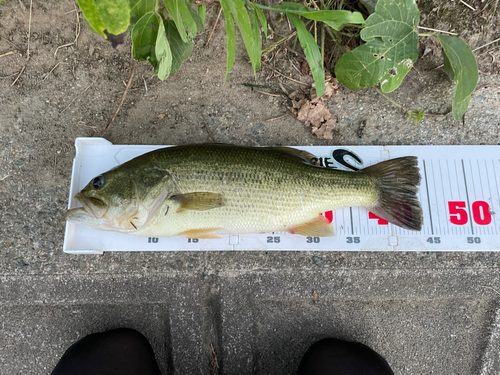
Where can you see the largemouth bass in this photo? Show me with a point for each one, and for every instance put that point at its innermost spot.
(204, 191)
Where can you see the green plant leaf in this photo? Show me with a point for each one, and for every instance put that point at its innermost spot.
(262, 18)
(115, 15)
(390, 51)
(182, 17)
(461, 66)
(242, 18)
(416, 116)
(180, 50)
(162, 52)
(197, 19)
(139, 8)
(110, 15)
(230, 36)
(149, 42)
(202, 12)
(312, 53)
(144, 35)
(91, 16)
(336, 19)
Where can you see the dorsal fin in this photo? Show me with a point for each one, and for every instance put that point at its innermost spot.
(301, 155)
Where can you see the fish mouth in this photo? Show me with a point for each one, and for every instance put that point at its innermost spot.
(92, 207)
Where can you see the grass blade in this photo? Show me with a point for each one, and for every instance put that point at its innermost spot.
(312, 53)
(230, 36)
(333, 18)
(262, 18)
(240, 14)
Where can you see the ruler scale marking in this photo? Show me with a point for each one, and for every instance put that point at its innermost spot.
(428, 198)
(491, 196)
(498, 196)
(352, 224)
(443, 188)
(479, 229)
(467, 196)
(440, 167)
(434, 179)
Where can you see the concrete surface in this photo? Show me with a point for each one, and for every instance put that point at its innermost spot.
(426, 313)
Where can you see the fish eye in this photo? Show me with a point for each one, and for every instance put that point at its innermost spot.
(98, 182)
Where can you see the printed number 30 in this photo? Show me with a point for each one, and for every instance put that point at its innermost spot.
(480, 212)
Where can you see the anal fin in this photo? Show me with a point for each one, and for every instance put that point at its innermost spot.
(200, 233)
(317, 227)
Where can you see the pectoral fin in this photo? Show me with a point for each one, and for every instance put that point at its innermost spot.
(318, 227)
(199, 201)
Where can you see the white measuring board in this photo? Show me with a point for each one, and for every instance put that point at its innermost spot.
(459, 194)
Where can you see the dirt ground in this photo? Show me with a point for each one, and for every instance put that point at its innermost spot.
(72, 81)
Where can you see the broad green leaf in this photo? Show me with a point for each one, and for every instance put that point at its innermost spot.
(262, 18)
(336, 19)
(252, 45)
(162, 52)
(230, 36)
(139, 8)
(312, 53)
(390, 51)
(91, 16)
(180, 50)
(461, 66)
(197, 19)
(144, 35)
(115, 15)
(202, 12)
(182, 17)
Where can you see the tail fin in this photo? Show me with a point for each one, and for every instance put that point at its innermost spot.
(398, 181)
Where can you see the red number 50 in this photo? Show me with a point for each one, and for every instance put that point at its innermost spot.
(480, 212)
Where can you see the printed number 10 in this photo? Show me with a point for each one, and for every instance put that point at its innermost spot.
(480, 212)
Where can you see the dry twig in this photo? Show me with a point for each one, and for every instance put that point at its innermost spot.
(7, 54)
(436, 30)
(281, 74)
(77, 32)
(76, 98)
(487, 44)
(215, 25)
(51, 70)
(29, 31)
(123, 98)
(267, 93)
(467, 5)
(19, 75)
